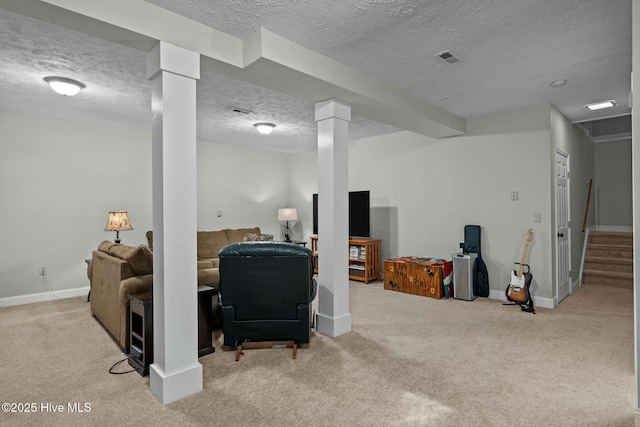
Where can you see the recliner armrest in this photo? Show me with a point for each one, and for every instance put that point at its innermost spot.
(314, 289)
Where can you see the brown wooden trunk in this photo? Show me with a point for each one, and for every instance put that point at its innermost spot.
(418, 276)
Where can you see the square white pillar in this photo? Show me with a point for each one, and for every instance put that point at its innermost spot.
(176, 372)
(333, 119)
(635, 159)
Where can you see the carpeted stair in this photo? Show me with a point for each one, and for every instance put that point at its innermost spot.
(609, 259)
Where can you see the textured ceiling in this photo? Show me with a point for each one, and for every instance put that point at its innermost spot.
(510, 52)
(118, 94)
(115, 76)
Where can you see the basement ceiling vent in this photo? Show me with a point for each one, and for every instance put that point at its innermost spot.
(448, 57)
(240, 110)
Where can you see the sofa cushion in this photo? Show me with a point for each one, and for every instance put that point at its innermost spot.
(205, 263)
(237, 235)
(105, 246)
(254, 237)
(212, 262)
(140, 258)
(210, 242)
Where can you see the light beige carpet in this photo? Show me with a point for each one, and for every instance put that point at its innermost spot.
(409, 361)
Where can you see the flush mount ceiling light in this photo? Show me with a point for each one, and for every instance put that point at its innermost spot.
(64, 86)
(600, 105)
(264, 128)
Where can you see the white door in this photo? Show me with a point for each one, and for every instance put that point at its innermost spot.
(563, 248)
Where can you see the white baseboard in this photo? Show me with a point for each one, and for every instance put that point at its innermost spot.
(537, 301)
(576, 284)
(43, 296)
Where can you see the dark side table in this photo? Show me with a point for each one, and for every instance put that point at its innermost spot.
(205, 319)
(141, 327)
(141, 331)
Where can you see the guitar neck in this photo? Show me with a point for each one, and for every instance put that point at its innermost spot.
(523, 260)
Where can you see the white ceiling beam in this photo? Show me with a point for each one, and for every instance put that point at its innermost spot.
(318, 78)
(159, 24)
(264, 59)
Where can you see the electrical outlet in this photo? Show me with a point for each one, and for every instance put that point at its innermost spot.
(43, 270)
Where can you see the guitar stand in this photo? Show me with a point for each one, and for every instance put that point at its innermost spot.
(526, 306)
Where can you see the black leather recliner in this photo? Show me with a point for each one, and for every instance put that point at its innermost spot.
(266, 290)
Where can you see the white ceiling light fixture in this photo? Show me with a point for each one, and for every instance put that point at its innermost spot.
(600, 105)
(64, 86)
(264, 128)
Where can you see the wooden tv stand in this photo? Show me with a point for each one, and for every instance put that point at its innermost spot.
(364, 259)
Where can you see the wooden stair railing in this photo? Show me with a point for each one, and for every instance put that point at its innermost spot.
(586, 208)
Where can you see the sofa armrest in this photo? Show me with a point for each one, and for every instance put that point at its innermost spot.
(134, 285)
(208, 263)
(106, 275)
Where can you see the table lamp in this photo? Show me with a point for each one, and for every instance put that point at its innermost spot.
(118, 221)
(287, 214)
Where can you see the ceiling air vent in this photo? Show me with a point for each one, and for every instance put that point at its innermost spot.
(448, 57)
(240, 110)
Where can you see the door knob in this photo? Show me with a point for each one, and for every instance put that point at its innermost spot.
(560, 234)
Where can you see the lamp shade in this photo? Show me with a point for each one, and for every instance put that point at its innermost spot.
(118, 221)
(288, 214)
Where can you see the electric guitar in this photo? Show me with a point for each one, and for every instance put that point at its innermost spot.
(518, 289)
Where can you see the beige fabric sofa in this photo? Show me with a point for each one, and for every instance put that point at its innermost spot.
(117, 271)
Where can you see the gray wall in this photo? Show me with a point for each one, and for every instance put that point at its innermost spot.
(613, 183)
(59, 179)
(424, 191)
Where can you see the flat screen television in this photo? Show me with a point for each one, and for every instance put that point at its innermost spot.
(359, 214)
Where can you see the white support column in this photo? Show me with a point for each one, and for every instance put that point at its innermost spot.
(176, 372)
(333, 119)
(635, 168)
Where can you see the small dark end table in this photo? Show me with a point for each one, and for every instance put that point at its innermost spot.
(205, 320)
(141, 327)
(141, 332)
